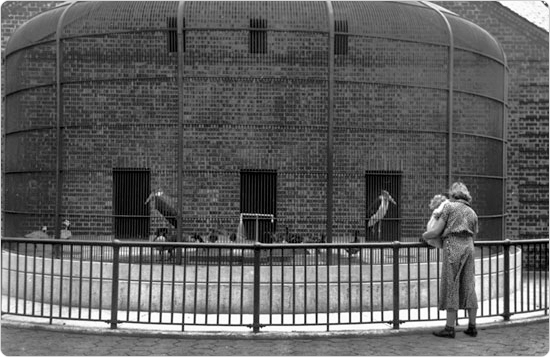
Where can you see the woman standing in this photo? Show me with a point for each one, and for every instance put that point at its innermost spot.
(457, 225)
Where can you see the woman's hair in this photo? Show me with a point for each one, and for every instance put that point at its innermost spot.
(436, 201)
(459, 191)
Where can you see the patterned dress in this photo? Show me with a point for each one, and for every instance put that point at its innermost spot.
(458, 289)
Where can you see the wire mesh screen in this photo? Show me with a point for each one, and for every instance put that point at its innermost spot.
(250, 92)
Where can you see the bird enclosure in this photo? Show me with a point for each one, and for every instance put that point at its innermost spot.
(255, 120)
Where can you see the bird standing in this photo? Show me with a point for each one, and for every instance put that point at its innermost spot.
(378, 211)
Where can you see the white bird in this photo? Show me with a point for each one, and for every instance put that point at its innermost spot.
(378, 210)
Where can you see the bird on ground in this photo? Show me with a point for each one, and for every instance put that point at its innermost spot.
(42, 233)
(315, 239)
(354, 250)
(377, 211)
(293, 238)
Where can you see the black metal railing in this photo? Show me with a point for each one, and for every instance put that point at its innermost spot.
(259, 285)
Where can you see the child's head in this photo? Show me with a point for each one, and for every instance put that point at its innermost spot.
(436, 201)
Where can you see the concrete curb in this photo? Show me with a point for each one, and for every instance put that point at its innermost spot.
(6, 322)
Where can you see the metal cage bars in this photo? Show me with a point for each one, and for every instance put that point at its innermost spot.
(330, 112)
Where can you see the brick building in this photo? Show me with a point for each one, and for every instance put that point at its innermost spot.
(246, 122)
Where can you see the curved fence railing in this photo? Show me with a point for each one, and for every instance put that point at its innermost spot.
(259, 285)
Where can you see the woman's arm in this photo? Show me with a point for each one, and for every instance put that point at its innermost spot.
(438, 228)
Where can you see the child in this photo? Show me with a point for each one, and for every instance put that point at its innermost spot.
(436, 205)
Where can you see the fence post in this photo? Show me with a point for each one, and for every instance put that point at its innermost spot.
(506, 314)
(114, 285)
(396, 245)
(256, 311)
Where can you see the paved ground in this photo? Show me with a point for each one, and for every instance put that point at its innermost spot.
(526, 338)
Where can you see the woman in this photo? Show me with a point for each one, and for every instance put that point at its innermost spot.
(457, 225)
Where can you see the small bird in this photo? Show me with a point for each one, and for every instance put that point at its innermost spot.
(197, 238)
(354, 250)
(161, 235)
(377, 211)
(293, 238)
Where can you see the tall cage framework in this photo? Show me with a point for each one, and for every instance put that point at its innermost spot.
(334, 101)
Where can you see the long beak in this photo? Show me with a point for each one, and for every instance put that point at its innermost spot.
(153, 194)
(391, 200)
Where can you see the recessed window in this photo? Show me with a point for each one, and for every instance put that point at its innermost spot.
(131, 187)
(258, 36)
(340, 37)
(383, 196)
(172, 35)
(258, 195)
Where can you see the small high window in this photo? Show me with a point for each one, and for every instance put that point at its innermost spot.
(340, 37)
(172, 35)
(258, 36)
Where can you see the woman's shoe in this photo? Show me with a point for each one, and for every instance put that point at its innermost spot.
(472, 331)
(448, 332)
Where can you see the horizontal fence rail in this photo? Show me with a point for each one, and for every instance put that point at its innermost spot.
(259, 285)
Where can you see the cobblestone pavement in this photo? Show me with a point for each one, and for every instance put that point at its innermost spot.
(504, 339)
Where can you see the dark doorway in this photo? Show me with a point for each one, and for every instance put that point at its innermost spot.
(380, 224)
(131, 187)
(259, 195)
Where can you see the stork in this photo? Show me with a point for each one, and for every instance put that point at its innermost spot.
(378, 210)
(162, 204)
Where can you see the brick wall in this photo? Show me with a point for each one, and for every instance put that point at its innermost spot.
(526, 48)
(127, 117)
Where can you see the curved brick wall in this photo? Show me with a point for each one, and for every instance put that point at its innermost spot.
(122, 106)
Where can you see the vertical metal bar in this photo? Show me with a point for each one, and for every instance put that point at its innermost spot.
(330, 118)
(70, 280)
(196, 285)
(172, 302)
(80, 280)
(305, 286)
(316, 286)
(450, 82)
(25, 273)
(293, 286)
(140, 265)
(490, 280)
(282, 284)
(90, 283)
(181, 118)
(114, 284)
(396, 245)
(256, 309)
(129, 292)
(506, 312)
(371, 290)
(17, 278)
(184, 293)
(33, 278)
(161, 283)
(218, 281)
(497, 270)
(151, 258)
(482, 279)
(59, 125)
(329, 252)
(504, 144)
(42, 284)
(52, 281)
(207, 285)
(101, 282)
(409, 285)
(61, 263)
(428, 280)
(230, 300)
